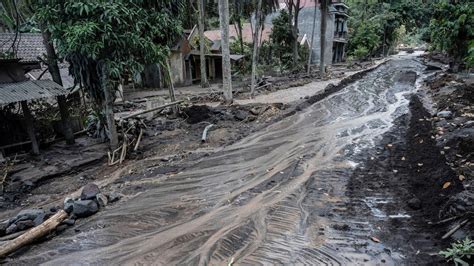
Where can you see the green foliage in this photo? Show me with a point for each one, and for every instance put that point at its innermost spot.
(245, 65)
(374, 24)
(366, 38)
(361, 52)
(125, 35)
(459, 252)
(281, 33)
(452, 28)
(470, 55)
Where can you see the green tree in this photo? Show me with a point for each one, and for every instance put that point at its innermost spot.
(108, 41)
(452, 29)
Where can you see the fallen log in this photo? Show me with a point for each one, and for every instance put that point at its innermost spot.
(151, 110)
(33, 234)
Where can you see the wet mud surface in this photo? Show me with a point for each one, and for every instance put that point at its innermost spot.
(329, 184)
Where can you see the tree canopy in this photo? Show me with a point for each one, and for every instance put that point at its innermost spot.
(125, 35)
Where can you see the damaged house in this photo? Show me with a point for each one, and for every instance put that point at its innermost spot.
(24, 79)
(185, 60)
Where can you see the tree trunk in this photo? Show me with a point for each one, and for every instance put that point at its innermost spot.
(30, 127)
(255, 48)
(311, 45)
(109, 107)
(33, 234)
(174, 108)
(324, 9)
(202, 46)
(53, 68)
(241, 38)
(238, 23)
(226, 71)
(295, 32)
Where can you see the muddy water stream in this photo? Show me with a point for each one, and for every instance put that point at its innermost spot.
(271, 198)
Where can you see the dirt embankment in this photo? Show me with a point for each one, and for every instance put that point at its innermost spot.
(408, 168)
(453, 131)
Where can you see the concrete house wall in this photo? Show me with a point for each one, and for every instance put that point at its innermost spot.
(305, 26)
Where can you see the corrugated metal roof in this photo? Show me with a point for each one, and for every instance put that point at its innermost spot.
(29, 90)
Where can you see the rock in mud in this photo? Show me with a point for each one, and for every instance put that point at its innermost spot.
(28, 214)
(68, 205)
(445, 114)
(113, 197)
(240, 115)
(23, 225)
(89, 191)
(3, 228)
(69, 222)
(11, 229)
(414, 203)
(39, 219)
(101, 200)
(84, 208)
(60, 228)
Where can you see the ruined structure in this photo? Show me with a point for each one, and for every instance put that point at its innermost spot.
(18, 86)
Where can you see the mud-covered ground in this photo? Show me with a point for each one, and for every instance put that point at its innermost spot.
(353, 175)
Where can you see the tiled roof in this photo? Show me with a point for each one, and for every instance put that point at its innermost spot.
(29, 90)
(215, 35)
(28, 46)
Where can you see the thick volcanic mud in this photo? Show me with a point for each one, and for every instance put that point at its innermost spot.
(344, 181)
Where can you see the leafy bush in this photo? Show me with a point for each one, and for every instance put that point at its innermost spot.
(452, 27)
(459, 252)
(361, 52)
(470, 55)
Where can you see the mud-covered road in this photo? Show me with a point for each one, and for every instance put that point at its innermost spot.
(294, 193)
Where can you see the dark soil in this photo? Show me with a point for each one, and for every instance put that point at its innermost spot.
(406, 167)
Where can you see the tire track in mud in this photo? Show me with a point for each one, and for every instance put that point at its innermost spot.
(271, 198)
